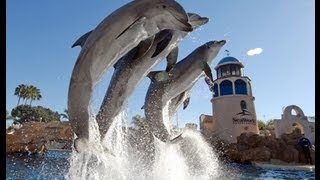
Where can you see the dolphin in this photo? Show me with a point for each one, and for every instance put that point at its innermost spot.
(130, 71)
(180, 79)
(115, 36)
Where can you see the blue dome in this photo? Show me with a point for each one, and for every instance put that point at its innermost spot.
(228, 59)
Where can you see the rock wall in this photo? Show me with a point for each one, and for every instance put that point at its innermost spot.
(251, 147)
(35, 137)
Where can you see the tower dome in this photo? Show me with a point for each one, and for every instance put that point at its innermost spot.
(229, 66)
(227, 60)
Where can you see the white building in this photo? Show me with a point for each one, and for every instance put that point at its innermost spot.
(233, 109)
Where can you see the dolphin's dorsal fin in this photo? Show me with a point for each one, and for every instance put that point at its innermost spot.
(172, 58)
(165, 38)
(158, 76)
(206, 68)
(143, 47)
(80, 42)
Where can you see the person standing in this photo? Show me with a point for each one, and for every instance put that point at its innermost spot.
(306, 145)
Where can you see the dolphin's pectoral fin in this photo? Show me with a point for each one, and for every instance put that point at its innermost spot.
(144, 47)
(166, 38)
(172, 59)
(142, 107)
(80, 42)
(158, 76)
(138, 20)
(176, 139)
(207, 70)
(186, 102)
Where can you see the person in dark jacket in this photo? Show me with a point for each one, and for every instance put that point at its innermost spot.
(306, 145)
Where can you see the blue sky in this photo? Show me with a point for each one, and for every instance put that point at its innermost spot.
(40, 34)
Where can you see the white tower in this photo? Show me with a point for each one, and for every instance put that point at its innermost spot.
(232, 103)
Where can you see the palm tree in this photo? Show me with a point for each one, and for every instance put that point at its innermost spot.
(20, 91)
(34, 93)
(65, 115)
(28, 93)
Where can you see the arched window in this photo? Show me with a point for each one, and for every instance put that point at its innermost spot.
(215, 90)
(226, 88)
(240, 87)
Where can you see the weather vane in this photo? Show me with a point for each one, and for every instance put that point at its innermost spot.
(227, 51)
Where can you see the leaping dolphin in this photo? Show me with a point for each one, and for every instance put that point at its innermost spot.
(115, 36)
(180, 79)
(130, 71)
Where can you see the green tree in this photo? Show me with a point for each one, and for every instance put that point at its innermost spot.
(270, 124)
(26, 113)
(261, 125)
(139, 122)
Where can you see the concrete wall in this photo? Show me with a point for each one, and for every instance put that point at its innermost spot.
(229, 120)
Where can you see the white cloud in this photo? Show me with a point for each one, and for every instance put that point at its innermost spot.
(255, 51)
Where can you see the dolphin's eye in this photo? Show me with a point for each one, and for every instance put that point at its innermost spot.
(164, 6)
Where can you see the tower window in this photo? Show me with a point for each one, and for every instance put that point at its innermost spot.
(233, 69)
(238, 72)
(226, 88)
(219, 73)
(225, 70)
(241, 87)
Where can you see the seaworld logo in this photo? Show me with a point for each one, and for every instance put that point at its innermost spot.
(244, 110)
(244, 121)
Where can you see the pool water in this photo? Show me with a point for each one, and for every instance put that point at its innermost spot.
(55, 165)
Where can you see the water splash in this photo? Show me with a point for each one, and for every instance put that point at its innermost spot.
(118, 158)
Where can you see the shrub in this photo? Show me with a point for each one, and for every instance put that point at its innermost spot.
(26, 113)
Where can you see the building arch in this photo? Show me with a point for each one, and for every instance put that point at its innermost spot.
(288, 111)
(226, 88)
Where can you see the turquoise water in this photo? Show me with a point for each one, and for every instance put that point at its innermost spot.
(55, 165)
